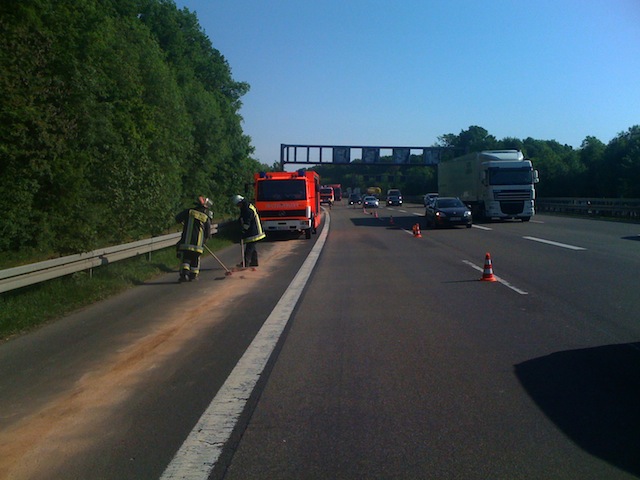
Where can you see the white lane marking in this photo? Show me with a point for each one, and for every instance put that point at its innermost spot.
(502, 281)
(201, 450)
(481, 227)
(557, 244)
(418, 214)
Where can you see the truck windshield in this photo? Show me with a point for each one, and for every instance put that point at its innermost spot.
(510, 176)
(272, 190)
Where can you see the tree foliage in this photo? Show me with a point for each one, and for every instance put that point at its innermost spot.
(593, 170)
(114, 114)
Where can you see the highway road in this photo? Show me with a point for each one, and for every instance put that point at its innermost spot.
(391, 360)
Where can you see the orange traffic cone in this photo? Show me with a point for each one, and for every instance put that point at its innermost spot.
(375, 213)
(391, 220)
(416, 231)
(487, 274)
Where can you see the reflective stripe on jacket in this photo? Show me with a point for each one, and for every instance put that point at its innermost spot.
(250, 223)
(196, 230)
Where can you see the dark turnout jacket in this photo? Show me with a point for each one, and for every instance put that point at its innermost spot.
(250, 223)
(196, 228)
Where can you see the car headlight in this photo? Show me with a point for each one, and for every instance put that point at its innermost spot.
(440, 214)
(467, 213)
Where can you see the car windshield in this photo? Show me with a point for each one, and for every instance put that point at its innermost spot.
(449, 203)
(510, 176)
(270, 190)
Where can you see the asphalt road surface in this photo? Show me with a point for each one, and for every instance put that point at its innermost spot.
(396, 361)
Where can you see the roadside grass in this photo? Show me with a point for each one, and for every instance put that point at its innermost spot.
(28, 308)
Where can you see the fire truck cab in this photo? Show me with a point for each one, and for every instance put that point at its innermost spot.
(288, 201)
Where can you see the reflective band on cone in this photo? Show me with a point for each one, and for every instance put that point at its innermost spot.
(487, 274)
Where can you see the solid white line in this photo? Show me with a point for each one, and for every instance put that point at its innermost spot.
(557, 244)
(504, 282)
(201, 450)
(481, 227)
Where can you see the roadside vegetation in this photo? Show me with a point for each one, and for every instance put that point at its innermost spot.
(115, 115)
(25, 309)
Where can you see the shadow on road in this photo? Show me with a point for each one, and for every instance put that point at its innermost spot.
(593, 396)
(384, 219)
(632, 237)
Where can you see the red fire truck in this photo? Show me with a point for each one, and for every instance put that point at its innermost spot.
(288, 201)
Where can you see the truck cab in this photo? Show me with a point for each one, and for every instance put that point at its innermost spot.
(326, 196)
(288, 201)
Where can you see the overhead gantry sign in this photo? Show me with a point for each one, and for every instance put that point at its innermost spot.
(368, 155)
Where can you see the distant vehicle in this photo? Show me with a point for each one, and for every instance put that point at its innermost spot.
(428, 198)
(494, 183)
(355, 199)
(370, 201)
(326, 196)
(448, 211)
(394, 197)
(337, 191)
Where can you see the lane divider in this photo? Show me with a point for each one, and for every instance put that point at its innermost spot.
(555, 244)
(201, 451)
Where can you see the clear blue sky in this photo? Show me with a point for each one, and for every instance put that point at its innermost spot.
(403, 72)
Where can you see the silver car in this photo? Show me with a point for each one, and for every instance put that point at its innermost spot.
(370, 201)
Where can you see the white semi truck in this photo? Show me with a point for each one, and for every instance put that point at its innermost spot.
(494, 183)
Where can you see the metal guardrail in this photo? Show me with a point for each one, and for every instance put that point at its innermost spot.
(25, 275)
(628, 208)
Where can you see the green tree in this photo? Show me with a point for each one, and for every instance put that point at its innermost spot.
(474, 139)
(620, 170)
(591, 155)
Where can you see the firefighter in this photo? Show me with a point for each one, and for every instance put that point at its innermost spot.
(251, 230)
(196, 231)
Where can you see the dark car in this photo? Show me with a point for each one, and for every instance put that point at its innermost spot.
(394, 197)
(448, 211)
(355, 199)
(394, 200)
(428, 198)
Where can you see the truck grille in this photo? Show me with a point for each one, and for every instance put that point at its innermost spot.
(511, 195)
(512, 208)
(282, 213)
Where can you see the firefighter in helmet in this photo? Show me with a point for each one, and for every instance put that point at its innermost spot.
(196, 230)
(251, 229)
